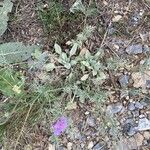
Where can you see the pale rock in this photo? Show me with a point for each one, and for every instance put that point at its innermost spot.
(69, 146)
(116, 18)
(134, 49)
(139, 139)
(131, 143)
(140, 79)
(144, 124)
(51, 147)
(90, 145)
(146, 135)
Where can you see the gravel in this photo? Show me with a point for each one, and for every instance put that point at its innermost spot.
(114, 108)
(91, 121)
(98, 146)
(136, 113)
(124, 80)
(144, 124)
(131, 106)
(139, 105)
(90, 145)
(129, 127)
(134, 49)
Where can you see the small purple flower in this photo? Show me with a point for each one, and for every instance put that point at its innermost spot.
(60, 125)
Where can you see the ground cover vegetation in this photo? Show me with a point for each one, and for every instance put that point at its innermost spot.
(73, 68)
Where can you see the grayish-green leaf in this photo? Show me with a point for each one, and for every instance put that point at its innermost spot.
(64, 57)
(6, 7)
(67, 65)
(57, 48)
(78, 6)
(84, 77)
(49, 66)
(87, 32)
(14, 52)
(73, 49)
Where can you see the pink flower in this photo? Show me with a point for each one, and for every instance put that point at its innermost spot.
(60, 125)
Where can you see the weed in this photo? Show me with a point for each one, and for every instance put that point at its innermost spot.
(32, 95)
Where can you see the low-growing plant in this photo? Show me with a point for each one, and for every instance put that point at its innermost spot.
(29, 95)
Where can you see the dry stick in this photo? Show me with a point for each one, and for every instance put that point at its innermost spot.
(28, 113)
(104, 38)
(105, 35)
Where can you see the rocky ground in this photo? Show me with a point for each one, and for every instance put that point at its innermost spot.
(126, 33)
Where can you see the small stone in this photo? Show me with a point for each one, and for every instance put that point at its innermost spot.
(144, 124)
(141, 116)
(136, 113)
(87, 113)
(51, 147)
(131, 143)
(116, 47)
(139, 139)
(90, 145)
(145, 143)
(91, 121)
(82, 145)
(132, 131)
(134, 49)
(114, 108)
(122, 145)
(131, 106)
(148, 83)
(124, 80)
(129, 129)
(98, 146)
(69, 146)
(116, 18)
(111, 30)
(138, 105)
(146, 135)
(129, 120)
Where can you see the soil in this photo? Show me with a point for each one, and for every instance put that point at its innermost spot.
(134, 28)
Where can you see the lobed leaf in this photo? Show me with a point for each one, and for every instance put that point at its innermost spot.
(14, 52)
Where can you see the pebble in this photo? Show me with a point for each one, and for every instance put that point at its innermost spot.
(136, 113)
(87, 113)
(69, 146)
(129, 129)
(148, 83)
(60, 148)
(141, 116)
(114, 108)
(91, 121)
(134, 49)
(82, 145)
(121, 145)
(132, 131)
(146, 135)
(139, 105)
(124, 80)
(144, 124)
(131, 143)
(90, 145)
(139, 139)
(131, 106)
(98, 146)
